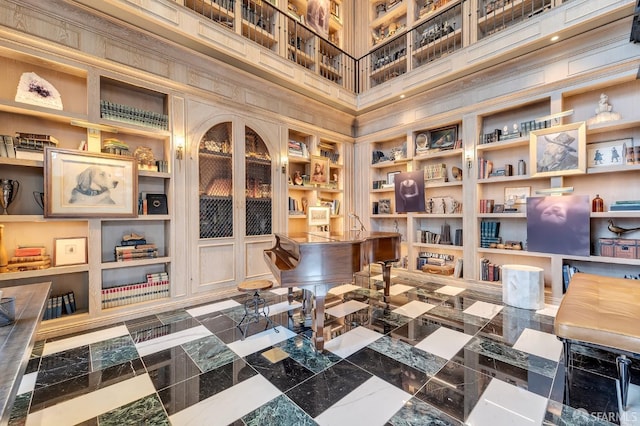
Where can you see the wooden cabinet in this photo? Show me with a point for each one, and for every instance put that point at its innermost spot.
(91, 114)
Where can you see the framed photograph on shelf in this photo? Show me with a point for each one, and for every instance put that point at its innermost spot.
(443, 138)
(319, 170)
(318, 215)
(85, 184)
(516, 195)
(498, 208)
(69, 251)
(608, 153)
(391, 177)
(558, 151)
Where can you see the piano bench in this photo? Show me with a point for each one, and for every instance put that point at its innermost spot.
(255, 307)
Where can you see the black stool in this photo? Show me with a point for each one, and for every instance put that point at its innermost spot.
(255, 307)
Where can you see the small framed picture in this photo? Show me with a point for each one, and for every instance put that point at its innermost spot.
(498, 208)
(391, 177)
(517, 195)
(318, 215)
(70, 251)
(608, 153)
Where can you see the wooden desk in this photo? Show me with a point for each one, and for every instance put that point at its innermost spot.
(17, 339)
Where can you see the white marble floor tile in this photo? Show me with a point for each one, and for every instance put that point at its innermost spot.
(283, 290)
(372, 403)
(548, 310)
(172, 340)
(413, 309)
(213, 307)
(259, 341)
(444, 342)
(539, 343)
(483, 309)
(346, 308)
(90, 405)
(352, 341)
(28, 383)
(229, 405)
(84, 339)
(631, 417)
(342, 289)
(397, 289)
(505, 404)
(277, 308)
(450, 290)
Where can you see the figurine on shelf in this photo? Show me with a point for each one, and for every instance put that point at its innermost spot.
(603, 112)
(297, 178)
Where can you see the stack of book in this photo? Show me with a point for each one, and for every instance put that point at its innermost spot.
(298, 149)
(30, 146)
(59, 305)
(489, 231)
(489, 271)
(135, 247)
(627, 205)
(156, 287)
(29, 258)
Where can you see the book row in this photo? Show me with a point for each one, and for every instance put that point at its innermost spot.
(155, 288)
(60, 305)
(490, 271)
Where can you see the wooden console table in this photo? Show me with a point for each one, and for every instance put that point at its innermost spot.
(17, 339)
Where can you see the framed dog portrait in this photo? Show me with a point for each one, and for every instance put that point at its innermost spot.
(85, 184)
(558, 150)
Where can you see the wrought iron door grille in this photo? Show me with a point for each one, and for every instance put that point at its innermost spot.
(258, 185)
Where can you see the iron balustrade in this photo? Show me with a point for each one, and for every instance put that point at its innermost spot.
(436, 32)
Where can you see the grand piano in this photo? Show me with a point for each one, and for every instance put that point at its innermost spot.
(315, 262)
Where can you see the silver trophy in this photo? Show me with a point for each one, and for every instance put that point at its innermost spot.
(9, 191)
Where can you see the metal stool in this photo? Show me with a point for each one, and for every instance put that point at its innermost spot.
(255, 307)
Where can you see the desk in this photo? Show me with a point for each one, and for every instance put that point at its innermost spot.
(17, 339)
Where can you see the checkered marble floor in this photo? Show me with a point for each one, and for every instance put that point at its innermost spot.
(428, 355)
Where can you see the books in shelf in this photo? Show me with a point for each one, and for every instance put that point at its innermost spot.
(627, 205)
(156, 287)
(59, 305)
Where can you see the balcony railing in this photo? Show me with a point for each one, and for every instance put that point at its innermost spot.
(435, 34)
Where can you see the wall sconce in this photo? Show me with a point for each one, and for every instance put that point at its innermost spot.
(179, 147)
(284, 161)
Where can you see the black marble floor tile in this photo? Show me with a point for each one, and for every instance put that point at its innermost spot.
(454, 390)
(453, 317)
(508, 325)
(32, 365)
(170, 366)
(61, 366)
(518, 368)
(284, 374)
(82, 384)
(141, 332)
(399, 374)
(170, 317)
(216, 322)
(326, 388)
(191, 391)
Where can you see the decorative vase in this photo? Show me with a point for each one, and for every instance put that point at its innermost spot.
(597, 204)
(4, 258)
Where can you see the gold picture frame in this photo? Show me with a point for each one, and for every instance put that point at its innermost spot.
(319, 170)
(558, 150)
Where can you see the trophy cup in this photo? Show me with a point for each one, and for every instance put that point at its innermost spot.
(9, 191)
